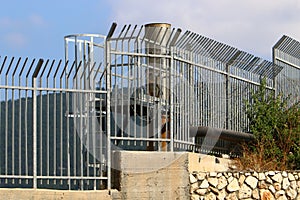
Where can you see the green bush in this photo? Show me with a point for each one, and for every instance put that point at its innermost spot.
(276, 129)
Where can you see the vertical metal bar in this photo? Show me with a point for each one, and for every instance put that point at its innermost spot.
(74, 109)
(34, 121)
(134, 84)
(6, 129)
(13, 126)
(20, 121)
(129, 89)
(188, 97)
(93, 125)
(13, 120)
(68, 110)
(108, 99)
(68, 127)
(48, 124)
(6, 119)
(48, 127)
(227, 96)
(101, 131)
(40, 121)
(82, 130)
(19, 129)
(34, 131)
(171, 102)
(68, 73)
(86, 106)
(61, 125)
(75, 113)
(122, 89)
(54, 124)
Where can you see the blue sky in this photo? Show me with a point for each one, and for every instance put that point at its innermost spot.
(36, 28)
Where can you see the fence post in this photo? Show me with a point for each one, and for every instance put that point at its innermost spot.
(34, 120)
(108, 94)
(171, 116)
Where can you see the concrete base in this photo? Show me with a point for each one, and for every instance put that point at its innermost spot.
(151, 175)
(205, 163)
(159, 175)
(138, 175)
(25, 194)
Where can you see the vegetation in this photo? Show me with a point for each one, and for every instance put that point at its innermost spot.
(276, 129)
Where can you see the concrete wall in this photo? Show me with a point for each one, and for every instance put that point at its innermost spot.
(159, 175)
(32, 194)
(151, 175)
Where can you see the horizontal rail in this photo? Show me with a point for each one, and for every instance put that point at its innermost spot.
(53, 177)
(53, 89)
(220, 72)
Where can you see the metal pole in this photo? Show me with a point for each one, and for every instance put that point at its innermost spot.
(34, 120)
(108, 74)
(171, 102)
(227, 97)
(108, 88)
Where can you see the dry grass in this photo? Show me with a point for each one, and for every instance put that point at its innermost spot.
(256, 161)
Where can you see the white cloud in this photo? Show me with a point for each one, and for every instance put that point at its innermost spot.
(4, 22)
(251, 25)
(15, 40)
(33, 20)
(37, 20)
(15, 32)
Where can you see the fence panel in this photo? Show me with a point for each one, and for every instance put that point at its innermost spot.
(45, 118)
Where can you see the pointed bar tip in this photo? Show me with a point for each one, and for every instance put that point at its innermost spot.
(112, 30)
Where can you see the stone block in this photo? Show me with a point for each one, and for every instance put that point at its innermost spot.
(285, 183)
(244, 192)
(266, 195)
(222, 183)
(233, 185)
(213, 181)
(277, 178)
(251, 181)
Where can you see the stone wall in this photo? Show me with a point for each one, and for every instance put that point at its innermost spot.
(245, 185)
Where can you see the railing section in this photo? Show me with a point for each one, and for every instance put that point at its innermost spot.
(51, 130)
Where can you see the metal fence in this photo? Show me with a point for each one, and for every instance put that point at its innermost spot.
(139, 88)
(286, 54)
(45, 116)
(163, 82)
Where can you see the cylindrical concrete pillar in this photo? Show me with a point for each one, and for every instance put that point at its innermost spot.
(157, 36)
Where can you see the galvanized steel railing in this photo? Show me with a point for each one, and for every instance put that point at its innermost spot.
(163, 82)
(45, 115)
(286, 53)
(139, 88)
